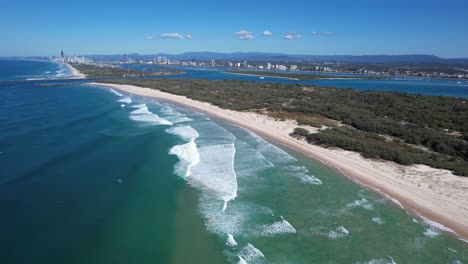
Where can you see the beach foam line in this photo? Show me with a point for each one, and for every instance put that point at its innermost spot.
(268, 150)
(174, 116)
(115, 92)
(126, 100)
(187, 153)
(280, 157)
(361, 203)
(215, 172)
(303, 174)
(142, 114)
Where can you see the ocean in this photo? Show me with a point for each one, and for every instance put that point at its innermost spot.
(95, 175)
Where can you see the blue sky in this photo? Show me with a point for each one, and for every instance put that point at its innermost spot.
(326, 27)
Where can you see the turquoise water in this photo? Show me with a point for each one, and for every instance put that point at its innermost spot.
(94, 175)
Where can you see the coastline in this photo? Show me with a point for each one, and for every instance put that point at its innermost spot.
(76, 74)
(425, 192)
(259, 75)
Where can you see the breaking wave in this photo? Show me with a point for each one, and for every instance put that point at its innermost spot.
(363, 203)
(174, 116)
(378, 220)
(280, 227)
(115, 92)
(187, 153)
(386, 260)
(142, 114)
(250, 254)
(126, 100)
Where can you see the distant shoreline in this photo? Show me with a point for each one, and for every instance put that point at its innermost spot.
(401, 184)
(76, 74)
(259, 75)
(307, 77)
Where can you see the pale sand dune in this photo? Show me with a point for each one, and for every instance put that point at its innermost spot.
(433, 193)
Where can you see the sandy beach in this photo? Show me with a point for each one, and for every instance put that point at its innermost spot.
(76, 74)
(434, 196)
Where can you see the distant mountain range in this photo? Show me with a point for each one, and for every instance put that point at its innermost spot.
(277, 57)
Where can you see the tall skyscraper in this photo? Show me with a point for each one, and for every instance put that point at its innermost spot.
(62, 55)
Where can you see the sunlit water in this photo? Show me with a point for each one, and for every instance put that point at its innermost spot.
(95, 175)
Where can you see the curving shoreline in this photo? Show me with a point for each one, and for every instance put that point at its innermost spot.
(76, 74)
(434, 194)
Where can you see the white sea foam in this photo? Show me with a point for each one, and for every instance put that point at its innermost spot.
(142, 114)
(230, 241)
(336, 233)
(386, 260)
(431, 233)
(188, 152)
(126, 100)
(241, 260)
(115, 92)
(303, 174)
(435, 225)
(174, 116)
(184, 132)
(248, 163)
(268, 150)
(122, 105)
(250, 254)
(339, 232)
(378, 220)
(361, 203)
(275, 155)
(452, 250)
(62, 72)
(215, 171)
(279, 227)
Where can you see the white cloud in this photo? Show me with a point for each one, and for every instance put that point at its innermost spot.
(189, 36)
(292, 36)
(171, 36)
(325, 33)
(267, 33)
(149, 37)
(244, 35)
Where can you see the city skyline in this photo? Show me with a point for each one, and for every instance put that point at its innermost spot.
(333, 28)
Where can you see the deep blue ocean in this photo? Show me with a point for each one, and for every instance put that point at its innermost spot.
(94, 175)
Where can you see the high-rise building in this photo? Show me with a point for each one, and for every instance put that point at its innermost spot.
(62, 55)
